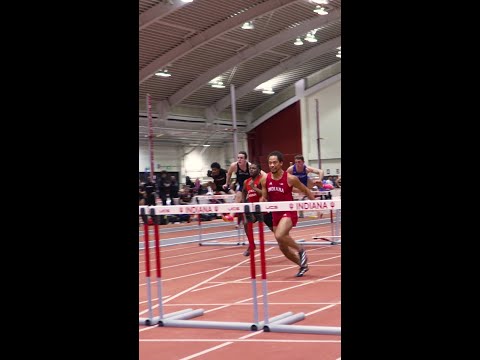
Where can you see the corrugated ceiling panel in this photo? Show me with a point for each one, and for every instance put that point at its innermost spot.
(244, 73)
(144, 5)
(328, 32)
(282, 81)
(203, 14)
(200, 15)
(158, 39)
(273, 23)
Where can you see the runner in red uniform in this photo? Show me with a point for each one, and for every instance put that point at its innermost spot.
(251, 192)
(277, 186)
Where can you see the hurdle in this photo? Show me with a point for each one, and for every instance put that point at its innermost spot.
(320, 195)
(292, 318)
(200, 198)
(151, 320)
(276, 323)
(334, 221)
(284, 325)
(174, 321)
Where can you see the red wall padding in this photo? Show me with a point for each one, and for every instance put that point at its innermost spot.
(281, 132)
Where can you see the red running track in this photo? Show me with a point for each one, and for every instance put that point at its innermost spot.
(217, 279)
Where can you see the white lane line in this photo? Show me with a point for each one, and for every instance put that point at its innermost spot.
(275, 292)
(229, 342)
(192, 288)
(193, 274)
(239, 340)
(268, 273)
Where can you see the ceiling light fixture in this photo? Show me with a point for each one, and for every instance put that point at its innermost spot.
(320, 10)
(324, 2)
(310, 37)
(266, 89)
(163, 73)
(248, 25)
(298, 42)
(218, 85)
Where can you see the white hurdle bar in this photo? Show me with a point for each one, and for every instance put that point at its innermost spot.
(299, 242)
(306, 205)
(297, 196)
(182, 314)
(223, 325)
(302, 329)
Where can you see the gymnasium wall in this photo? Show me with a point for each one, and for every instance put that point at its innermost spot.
(329, 117)
(293, 131)
(186, 160)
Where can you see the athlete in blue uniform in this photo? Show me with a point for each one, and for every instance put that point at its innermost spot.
(300, 170)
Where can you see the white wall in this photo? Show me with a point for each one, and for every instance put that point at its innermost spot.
(229, 154)
(329, 116)
(163, 155)
(179, 158)
(329, 165)
(197, 163)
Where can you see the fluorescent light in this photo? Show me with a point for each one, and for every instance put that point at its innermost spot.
(268, 90)
(324, 2)
(248, 25)
(310, 38)
(320, 10)
(206, 145)
(218, 85)
(298, 42)
(163, 73)
(187, 1)
(215, 80)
